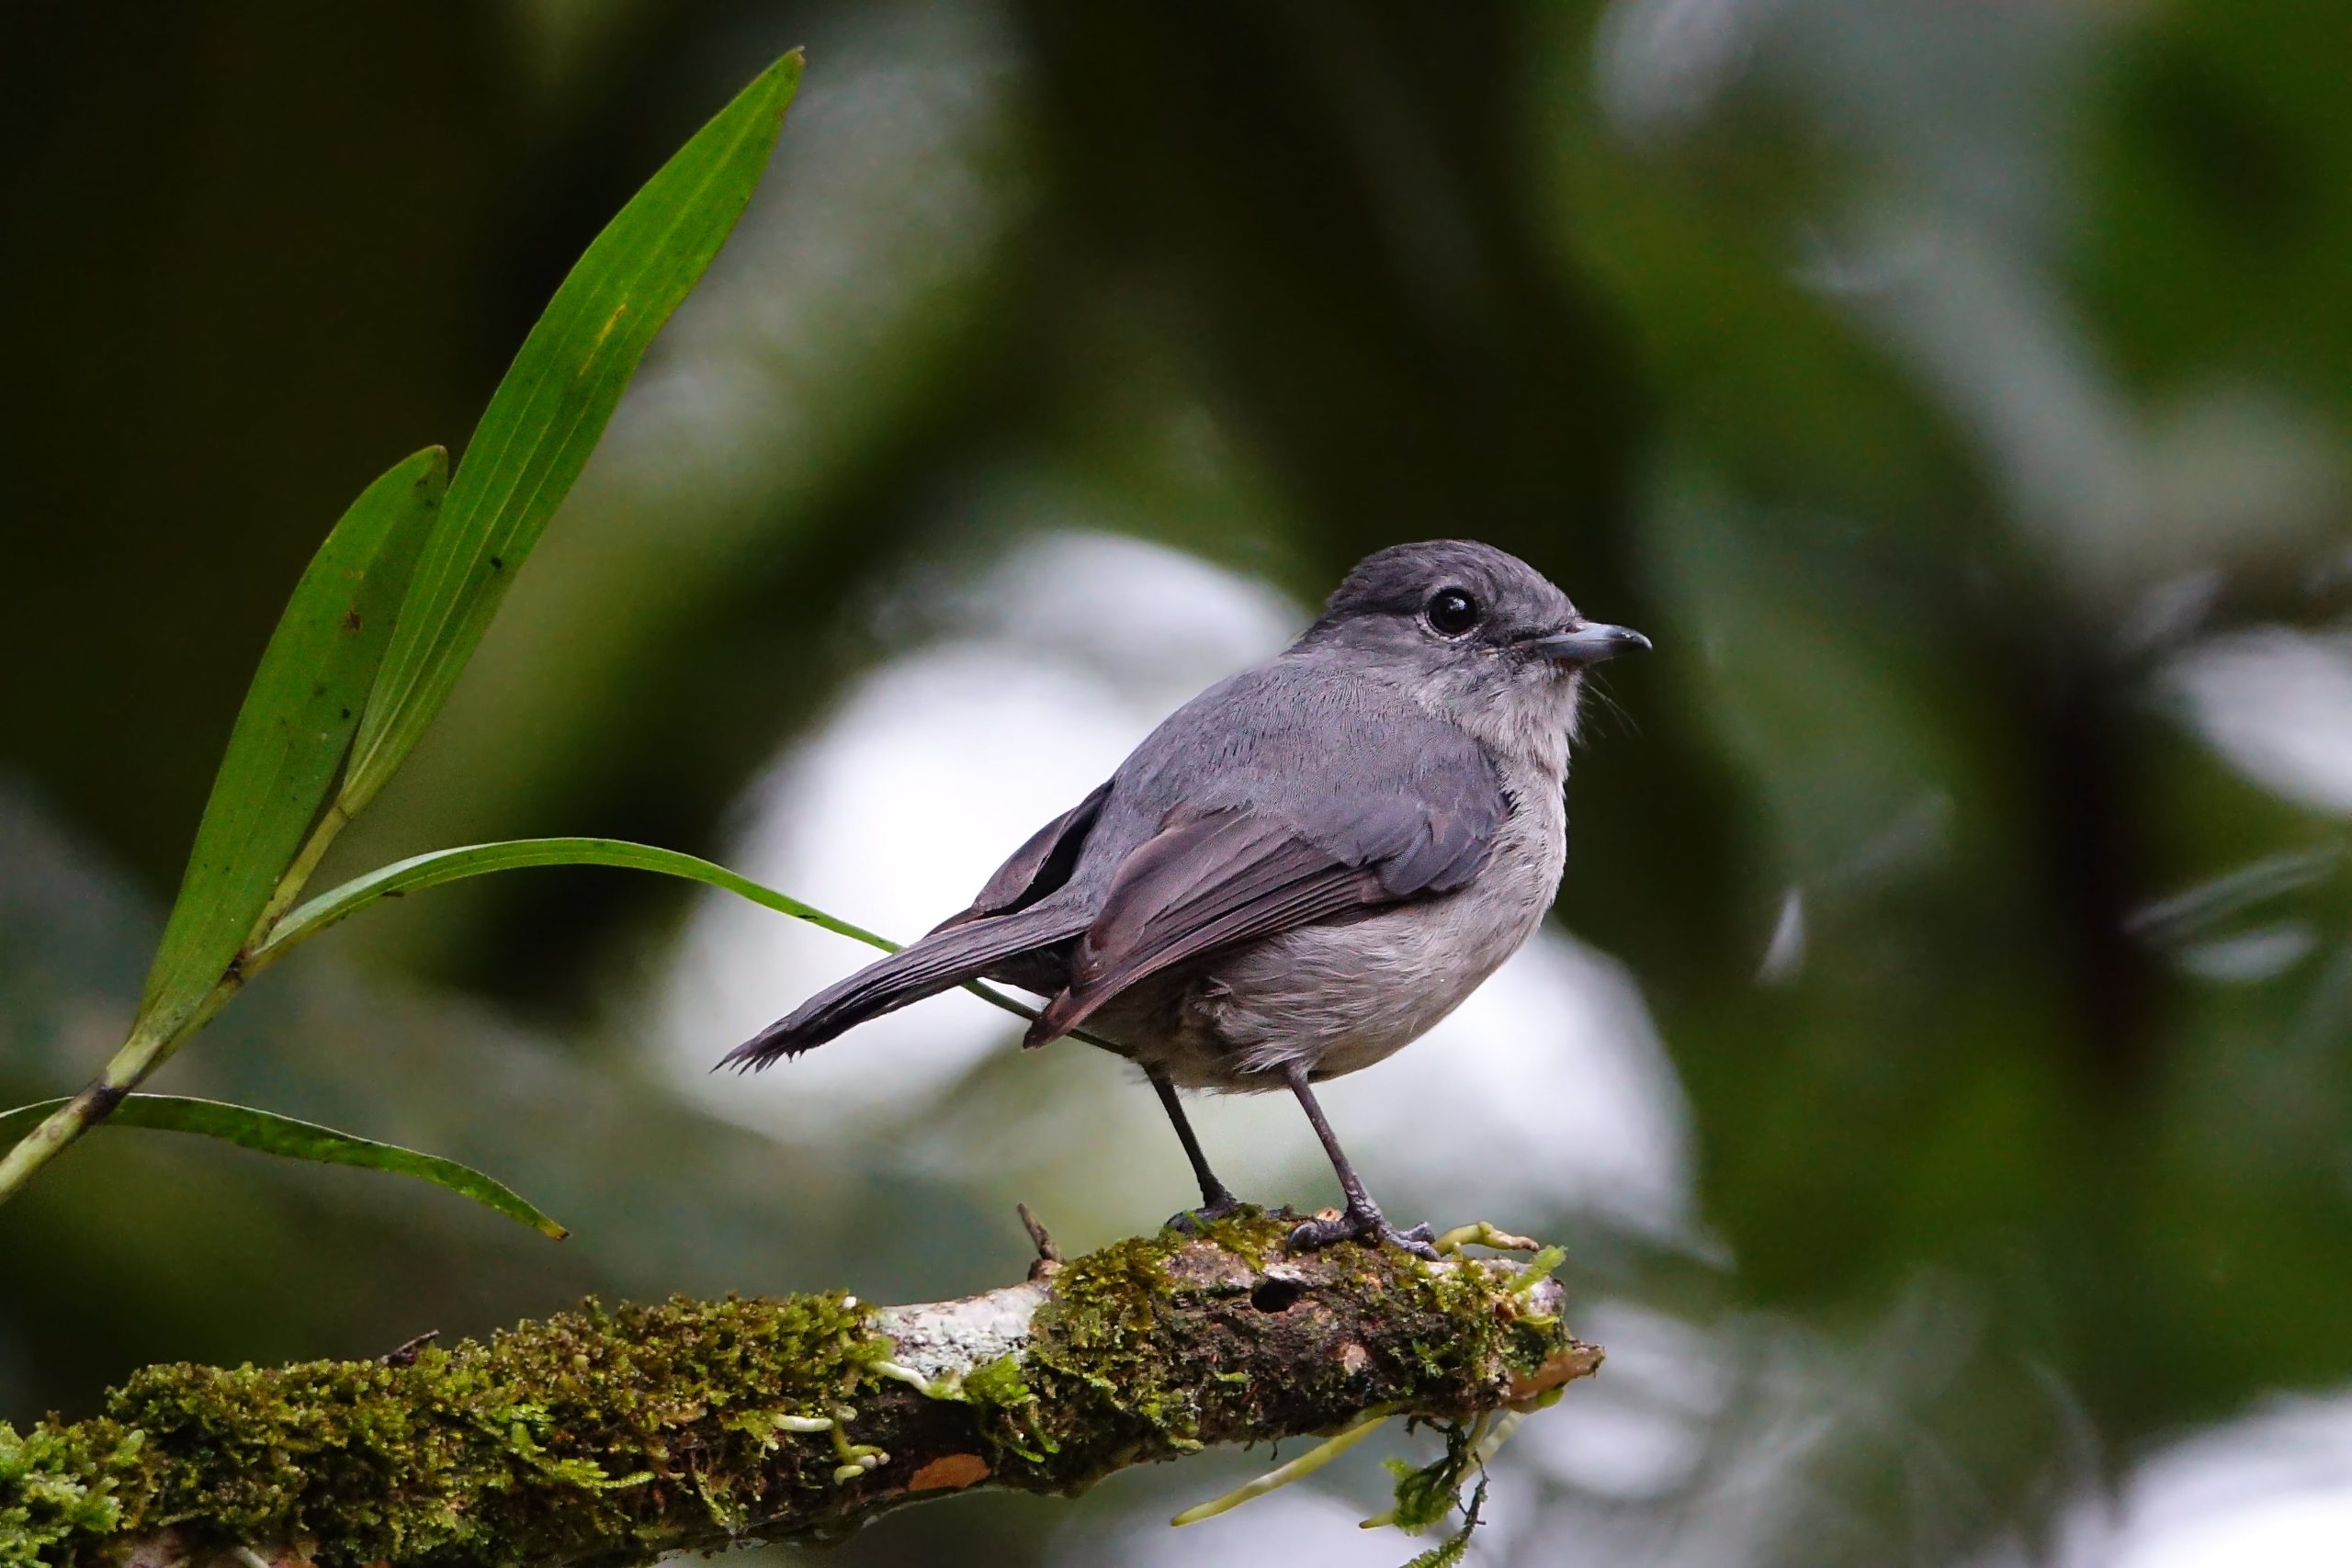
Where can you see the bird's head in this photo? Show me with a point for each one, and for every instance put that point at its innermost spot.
(1473, 635)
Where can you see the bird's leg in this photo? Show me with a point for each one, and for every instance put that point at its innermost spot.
(1217, 1200)
(1361, 1217)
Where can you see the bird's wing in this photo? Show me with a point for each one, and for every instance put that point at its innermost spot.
(1038, 867)
(1213, 877)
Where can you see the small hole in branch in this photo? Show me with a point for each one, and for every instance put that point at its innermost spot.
(1276, 1295)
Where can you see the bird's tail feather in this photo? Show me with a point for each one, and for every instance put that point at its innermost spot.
(945, 958)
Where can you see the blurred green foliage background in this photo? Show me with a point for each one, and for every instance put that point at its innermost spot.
(1957, 392)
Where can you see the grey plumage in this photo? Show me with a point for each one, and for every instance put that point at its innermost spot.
(1302, 868)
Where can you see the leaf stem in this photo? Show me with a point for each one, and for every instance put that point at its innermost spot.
(85, 1111)
(333, 820)
(1306, 1463)
(146, 1050)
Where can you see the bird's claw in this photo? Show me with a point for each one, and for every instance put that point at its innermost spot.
(1361, 1225)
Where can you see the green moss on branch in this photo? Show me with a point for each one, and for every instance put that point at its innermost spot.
(600, 1436)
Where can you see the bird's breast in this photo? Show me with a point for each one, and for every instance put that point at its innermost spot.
(1347, 993)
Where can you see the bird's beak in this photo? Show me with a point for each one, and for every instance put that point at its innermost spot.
(1588, 643)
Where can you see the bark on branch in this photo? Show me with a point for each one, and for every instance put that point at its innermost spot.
(611, 1437)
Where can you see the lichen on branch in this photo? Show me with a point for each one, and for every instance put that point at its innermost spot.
(602, 1437)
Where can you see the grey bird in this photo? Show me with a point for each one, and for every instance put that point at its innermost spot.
(1303, 868)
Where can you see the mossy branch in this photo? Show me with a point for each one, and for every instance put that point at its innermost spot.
(614, 1437)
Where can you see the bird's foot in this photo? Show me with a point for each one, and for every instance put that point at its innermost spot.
(1366, 1225)
(1218, 1206)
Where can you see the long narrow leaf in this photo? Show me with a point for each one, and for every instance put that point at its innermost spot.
(477, 860)
(548, 414)
(292, 732)
(273, 1134)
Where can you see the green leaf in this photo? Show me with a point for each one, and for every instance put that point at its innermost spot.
(478, 860)
(548, 414)
(291, 734)
(275, 1134)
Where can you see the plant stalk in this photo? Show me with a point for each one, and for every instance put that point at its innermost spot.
(78, 1115)
(146, 1050)
(331, 822)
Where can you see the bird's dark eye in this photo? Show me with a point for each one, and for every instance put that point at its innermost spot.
(1451, 612)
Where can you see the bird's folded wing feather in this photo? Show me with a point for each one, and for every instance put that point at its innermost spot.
(1213, 878)
(1039, 866)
